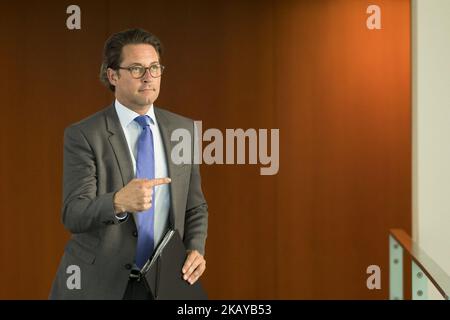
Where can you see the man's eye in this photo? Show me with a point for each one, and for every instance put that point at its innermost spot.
(154, 67)
(136, 69)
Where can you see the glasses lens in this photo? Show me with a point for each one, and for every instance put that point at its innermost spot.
(137, 71)
(155, 70)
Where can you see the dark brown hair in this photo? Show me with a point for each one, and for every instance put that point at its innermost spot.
(112, 52)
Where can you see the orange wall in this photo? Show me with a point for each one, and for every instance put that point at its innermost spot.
(339, 93)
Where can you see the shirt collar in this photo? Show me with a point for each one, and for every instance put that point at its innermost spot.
(126, 115)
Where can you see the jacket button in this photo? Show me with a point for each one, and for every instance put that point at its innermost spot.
(135, 233)
(128, 266)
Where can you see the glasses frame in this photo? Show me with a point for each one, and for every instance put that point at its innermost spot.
(146, 68)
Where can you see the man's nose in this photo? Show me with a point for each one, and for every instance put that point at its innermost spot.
(147, 76)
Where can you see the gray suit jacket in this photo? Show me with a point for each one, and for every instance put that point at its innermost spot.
(97, 163)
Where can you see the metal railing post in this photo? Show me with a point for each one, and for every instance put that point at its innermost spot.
(395, 270)
(419, 283)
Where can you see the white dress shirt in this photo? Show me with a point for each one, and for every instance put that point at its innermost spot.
(161, 196)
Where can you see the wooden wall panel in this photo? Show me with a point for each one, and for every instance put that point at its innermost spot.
(343, 92)
(50, 81)
(339, 94)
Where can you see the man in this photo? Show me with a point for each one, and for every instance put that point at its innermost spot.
(121, 189)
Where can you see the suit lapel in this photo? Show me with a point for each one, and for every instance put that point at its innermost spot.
(119, 145)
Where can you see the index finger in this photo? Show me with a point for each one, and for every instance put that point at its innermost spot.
(158, 181)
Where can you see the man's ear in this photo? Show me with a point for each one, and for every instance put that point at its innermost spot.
(113, 76)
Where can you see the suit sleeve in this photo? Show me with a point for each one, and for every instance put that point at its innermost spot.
(82, 209)
(196, 217)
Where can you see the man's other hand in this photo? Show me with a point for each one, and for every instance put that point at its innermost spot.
(194, 266)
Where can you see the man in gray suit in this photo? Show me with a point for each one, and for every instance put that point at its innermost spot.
(116, 213)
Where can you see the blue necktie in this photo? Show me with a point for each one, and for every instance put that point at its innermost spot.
(145, 169)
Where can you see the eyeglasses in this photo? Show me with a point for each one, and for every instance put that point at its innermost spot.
(138, 71)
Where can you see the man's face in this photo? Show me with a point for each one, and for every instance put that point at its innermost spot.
(136, 93)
